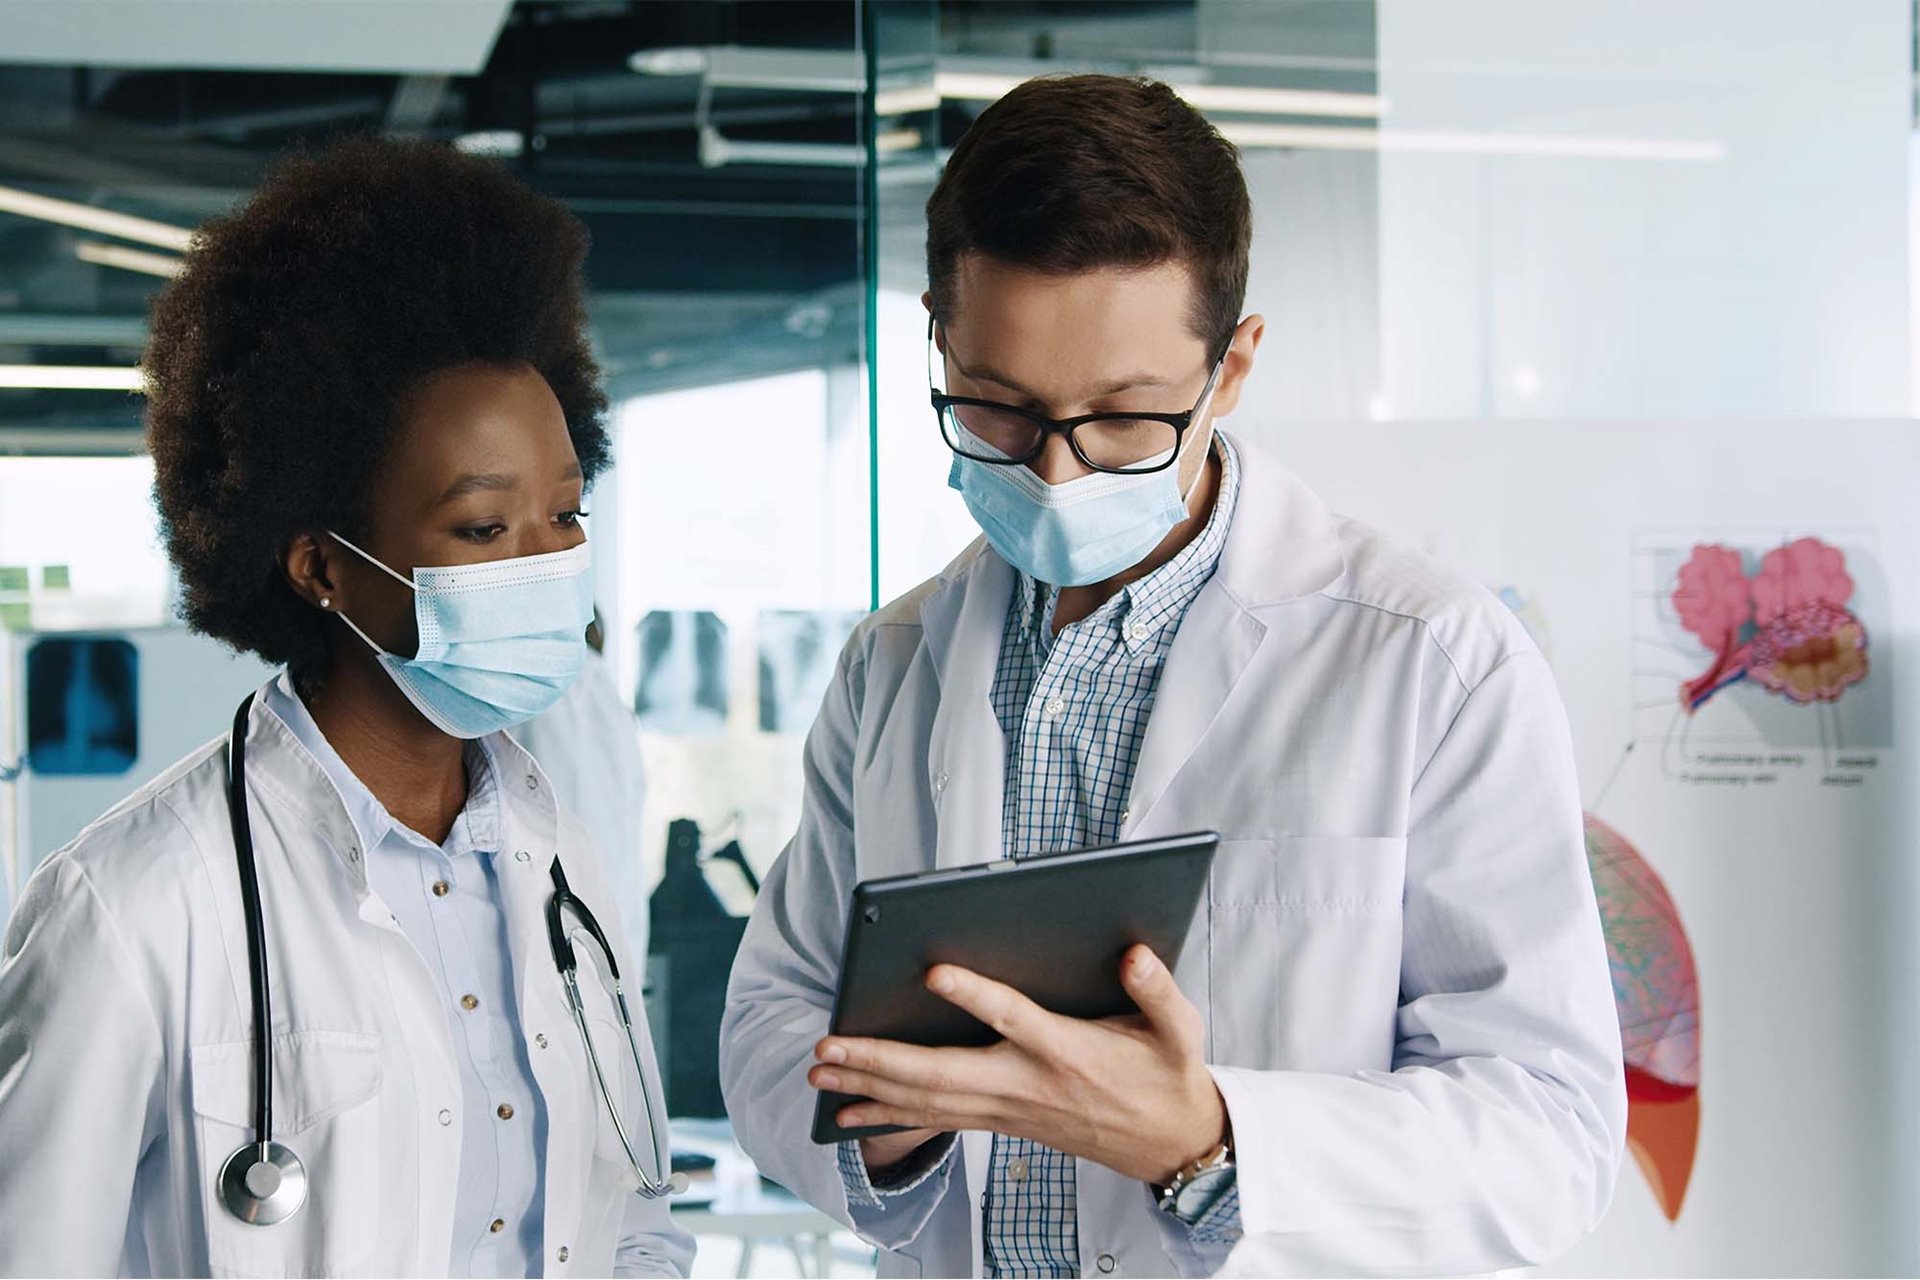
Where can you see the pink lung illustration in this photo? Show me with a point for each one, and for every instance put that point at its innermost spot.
(1657, 994)
(1787, 628)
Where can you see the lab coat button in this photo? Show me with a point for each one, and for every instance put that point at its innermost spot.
(562, 1255)
(1105, 1263)
(497, 1225)
(533, 783)
(540, 1040)
(469, 1002)
(440, 888)
(522, 856)
(940, 785)
(504, 1111)
(446, 1118)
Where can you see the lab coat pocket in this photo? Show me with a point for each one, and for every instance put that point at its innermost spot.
(326, 1109)
(1303, 952)
(616, 1064)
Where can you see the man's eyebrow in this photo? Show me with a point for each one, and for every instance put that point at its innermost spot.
(1137, 382)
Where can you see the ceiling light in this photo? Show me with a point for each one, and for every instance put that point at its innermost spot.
(491, 142)
(123, 226)
(668, 62)
(1252, 133)
(977, 86)
(72, 377)
(118, 255)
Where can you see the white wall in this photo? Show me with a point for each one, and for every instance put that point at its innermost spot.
(1799, 896)
(1768, 279)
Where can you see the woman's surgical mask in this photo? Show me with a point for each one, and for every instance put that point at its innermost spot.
(500, 641)
(1077, 533)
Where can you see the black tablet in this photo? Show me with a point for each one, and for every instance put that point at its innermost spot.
(1052, 927)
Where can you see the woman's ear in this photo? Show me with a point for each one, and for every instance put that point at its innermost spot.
(307, 563)
(1239, 363)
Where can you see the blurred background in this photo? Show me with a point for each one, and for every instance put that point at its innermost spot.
(1650, 260)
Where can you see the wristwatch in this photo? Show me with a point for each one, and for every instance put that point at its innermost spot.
(1197, 1186)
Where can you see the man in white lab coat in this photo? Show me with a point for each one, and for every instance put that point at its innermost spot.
(1389, 1045)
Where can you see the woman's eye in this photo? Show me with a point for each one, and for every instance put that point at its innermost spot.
(483, 533)
(570, 519)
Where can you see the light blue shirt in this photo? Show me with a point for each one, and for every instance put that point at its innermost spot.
(446, 901)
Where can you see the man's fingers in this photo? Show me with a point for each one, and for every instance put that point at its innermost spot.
(866, 1115)
(935, 1070)
(935, 1107)
(1165, 1006)
(1011, 1015)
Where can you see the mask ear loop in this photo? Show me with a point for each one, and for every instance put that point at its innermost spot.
(342, 614)
(1206, 406)
(408, 583)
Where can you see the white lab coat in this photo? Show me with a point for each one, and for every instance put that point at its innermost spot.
(125, 1025)
(588, 744)
(1399, 958)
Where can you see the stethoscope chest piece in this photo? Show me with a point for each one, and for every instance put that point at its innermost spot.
(263, 1183)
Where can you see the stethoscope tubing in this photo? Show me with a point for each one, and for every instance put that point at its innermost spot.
(283, 1190)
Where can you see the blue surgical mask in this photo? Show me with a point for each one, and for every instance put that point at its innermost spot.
(500, 641)
(1073, 534)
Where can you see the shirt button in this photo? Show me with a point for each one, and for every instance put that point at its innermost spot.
(446, 1117)
(1137, 630)
(504, 1111)
(940, 785)
(533, 784)
(497, 1225)
(1125, 814)
(1017, 1170)
(1105, 1263)
(440, 888)
(1056, 706)
(469, 1002)
(562, 1255)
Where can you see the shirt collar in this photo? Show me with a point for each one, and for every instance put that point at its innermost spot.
(371, 821)
(1144, 608)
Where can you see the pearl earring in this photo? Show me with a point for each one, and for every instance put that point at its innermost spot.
(326, 602)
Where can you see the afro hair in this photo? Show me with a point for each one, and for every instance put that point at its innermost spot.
(282, 358)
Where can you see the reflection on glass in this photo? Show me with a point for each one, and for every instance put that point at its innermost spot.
(82, 706)
(797, 655)
(683, 673)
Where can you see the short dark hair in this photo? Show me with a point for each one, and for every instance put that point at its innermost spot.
(1071, 173)
(282, 359)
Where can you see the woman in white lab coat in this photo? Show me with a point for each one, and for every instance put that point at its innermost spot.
(372, 412)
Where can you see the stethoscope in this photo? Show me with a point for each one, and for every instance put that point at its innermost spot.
(264, 1182)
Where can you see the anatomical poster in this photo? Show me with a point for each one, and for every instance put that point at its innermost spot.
(1731, 615)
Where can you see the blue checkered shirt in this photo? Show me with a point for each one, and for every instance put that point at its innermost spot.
(1074, 710)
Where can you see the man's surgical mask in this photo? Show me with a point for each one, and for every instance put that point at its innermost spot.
(1077, 533)
(500, 641)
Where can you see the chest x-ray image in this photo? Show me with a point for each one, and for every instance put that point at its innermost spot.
(683, 673)
(797, 651)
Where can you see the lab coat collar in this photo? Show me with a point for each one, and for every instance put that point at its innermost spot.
(1284, 543)
(281, 768)
(280, 765)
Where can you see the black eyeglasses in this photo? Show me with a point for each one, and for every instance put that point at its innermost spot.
(1006, 435)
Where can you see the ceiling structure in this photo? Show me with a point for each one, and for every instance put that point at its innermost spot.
(711, 147)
